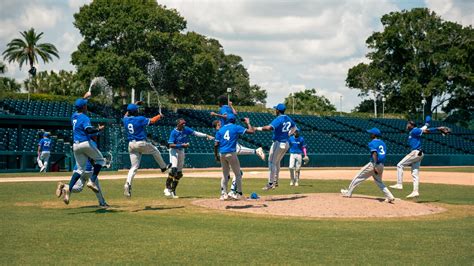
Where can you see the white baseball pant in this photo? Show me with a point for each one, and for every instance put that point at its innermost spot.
(83, 151)
(230, 161)
(241, 150)
(43, 160)
(277, 151)
(136, 150)
(82, 181)
(367, 171)
(414, 160)
(295, 166)
(177, 159)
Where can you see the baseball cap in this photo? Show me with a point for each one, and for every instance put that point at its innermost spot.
(280, 107)
(132, 107)
(45, 134)
(230, 118)
(79, 103)
(254, 196)
(375, 131)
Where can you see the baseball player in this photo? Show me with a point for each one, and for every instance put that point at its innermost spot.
(83, 148)
(374, 168)
(138, 145)
(297, 147)
(226, 108)
(179, 141)
(225, 148)
(44, 152)
(414, 158)
(80, 185)
(283, 127)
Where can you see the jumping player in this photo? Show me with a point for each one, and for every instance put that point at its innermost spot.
(297, 147)
(84, 149)
(226, 108)
(374, 168)
(414, 158)
(225, 152)
(138, 144)
(44, 152)
(283, 126)
(179, 141)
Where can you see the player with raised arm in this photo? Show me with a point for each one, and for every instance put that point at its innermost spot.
(83, 148)
(374, 168)
(135, 125)
(225, 108)
(225, 152)
(44, 152)
(178, 141)
(297, 147)
(414, 158)
(283, 127)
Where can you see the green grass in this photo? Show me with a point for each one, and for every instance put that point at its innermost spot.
(36, 228)
(461, 169)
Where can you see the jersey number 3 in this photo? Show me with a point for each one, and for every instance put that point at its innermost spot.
(382, 151)
(130, 128)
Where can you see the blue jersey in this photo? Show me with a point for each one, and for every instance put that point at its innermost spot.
(135, 127)
(225, 109)
(88, 166)
(45, 144)
(180, 137)
(378, 146)
(297, 144)
(227, 137)
(80, 122)
(414, 138)
(281, 126)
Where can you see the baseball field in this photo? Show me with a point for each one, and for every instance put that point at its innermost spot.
(37, 228)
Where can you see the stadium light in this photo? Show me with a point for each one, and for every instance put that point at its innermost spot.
(229, 90)
(383, 106)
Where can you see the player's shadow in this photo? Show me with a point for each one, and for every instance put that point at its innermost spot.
(248, 206)
(369, 198)
(304, 185)
(158, 208)
(96, 210)
(190, 197)
(288, 198)
(426, 201)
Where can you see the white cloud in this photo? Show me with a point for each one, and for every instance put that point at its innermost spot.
(40, 17)
(458, 11)
(76, 4)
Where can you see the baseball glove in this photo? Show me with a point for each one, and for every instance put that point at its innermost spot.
(305, 160)
(445, 130)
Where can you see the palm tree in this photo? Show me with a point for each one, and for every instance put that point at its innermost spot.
(28, 49)
(3, 68)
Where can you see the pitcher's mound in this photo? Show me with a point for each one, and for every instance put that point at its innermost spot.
(323, 205)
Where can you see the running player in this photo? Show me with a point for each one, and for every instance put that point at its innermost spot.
(44, 152)
(374, 168)
(226, 108)
(179, 141)
(225, 152)
(414, 158)
(83, 148)
(297, 147)
(138, 144)
(282, 126)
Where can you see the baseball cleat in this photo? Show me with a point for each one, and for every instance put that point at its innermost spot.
(397, 186)
(224, 196)
(291, 183)
(414, 194)
(127, 190)
(268, 187)
(92, 186)
(167, 192)
(59, 189)
(260, 153)
(296, 184)
(234, 195)
(104, 205)
(389, 200)
(42, 169)
(66, 196)
(168, 166)
(345, 193)
(173, 195)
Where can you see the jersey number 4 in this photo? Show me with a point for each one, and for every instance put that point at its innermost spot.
(227, 135)
(130, 128)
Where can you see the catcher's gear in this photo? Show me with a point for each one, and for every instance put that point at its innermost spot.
(444, 130)
(305, 160)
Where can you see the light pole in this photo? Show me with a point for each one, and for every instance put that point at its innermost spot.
(340, 105)
(293, 99)
(383, 106)
(229, 90)
(375, 104)
(424, 103)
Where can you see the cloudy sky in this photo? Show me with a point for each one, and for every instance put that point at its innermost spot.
(286, 46)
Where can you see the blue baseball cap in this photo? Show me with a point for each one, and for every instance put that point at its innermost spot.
(79, 103)
(132, 107)
(254, 196)
(375, 131)
(280, 107)
(230, 118)
(45, 134)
